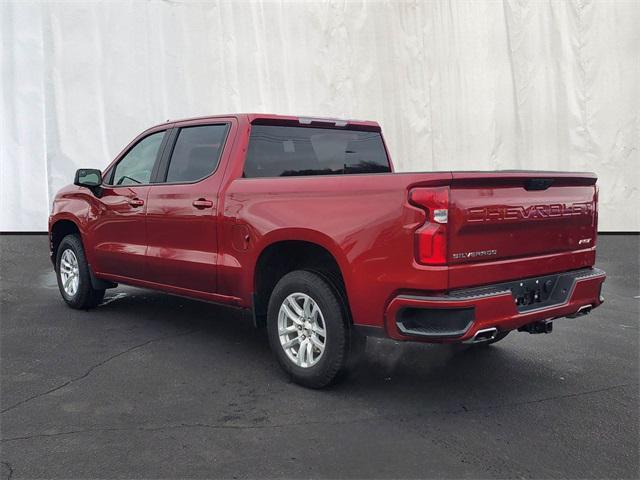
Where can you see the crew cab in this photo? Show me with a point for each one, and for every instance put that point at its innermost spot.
(303, 223)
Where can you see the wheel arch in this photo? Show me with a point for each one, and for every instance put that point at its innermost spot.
(283, 255)
(60, 229)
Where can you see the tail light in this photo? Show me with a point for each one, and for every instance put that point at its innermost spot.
(431, 238)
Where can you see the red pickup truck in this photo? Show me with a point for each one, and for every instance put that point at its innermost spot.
(303, 223)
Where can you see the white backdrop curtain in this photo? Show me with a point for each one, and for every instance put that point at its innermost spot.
(455, 84)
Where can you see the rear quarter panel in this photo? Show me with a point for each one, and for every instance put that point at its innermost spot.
(364, 221)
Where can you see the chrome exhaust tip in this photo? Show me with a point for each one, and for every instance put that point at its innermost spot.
(484, 335)
(583, 310)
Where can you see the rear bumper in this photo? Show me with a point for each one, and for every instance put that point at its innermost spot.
(458, 316)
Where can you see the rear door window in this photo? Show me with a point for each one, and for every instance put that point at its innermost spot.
(196, 153)
(276, 151)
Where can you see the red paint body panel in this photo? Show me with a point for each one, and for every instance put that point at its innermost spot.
(118, 233)
(370, 234)
(364, 221)
(520, 223)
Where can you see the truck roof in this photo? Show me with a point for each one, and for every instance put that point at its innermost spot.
(270, 118)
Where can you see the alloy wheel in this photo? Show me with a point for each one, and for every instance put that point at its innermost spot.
(69, 272)
(302, 330)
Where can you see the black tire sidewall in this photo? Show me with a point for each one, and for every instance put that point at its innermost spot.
(334, 357)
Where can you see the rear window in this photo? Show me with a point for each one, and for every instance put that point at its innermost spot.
(294, 151)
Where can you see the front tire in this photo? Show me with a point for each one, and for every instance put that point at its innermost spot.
(74, 278)
(308, 329)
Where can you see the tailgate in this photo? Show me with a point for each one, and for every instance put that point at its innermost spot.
(515, 215)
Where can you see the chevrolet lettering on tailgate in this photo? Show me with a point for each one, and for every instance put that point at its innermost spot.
(533, 212)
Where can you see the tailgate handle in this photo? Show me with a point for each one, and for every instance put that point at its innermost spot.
(538, 183)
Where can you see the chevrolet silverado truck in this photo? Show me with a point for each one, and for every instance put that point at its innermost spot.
(303, 223)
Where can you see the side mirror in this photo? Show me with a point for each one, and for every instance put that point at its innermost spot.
(88, 177)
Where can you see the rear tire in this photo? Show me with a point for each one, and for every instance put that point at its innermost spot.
(74, 278)
(309, 330)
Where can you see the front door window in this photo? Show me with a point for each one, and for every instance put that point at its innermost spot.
(136, 166)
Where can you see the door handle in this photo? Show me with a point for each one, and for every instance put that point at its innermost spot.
(136, 202)
(202, 203)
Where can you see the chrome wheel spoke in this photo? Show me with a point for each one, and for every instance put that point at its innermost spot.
(309, 352)
(294, 318)
(302, 353)
(317, 329)
(287, 330)
(316, 342)
(291, 343)
(294, 305)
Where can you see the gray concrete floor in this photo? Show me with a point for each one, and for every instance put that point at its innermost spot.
(153, 386)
